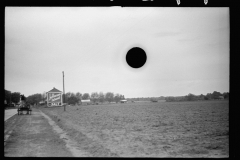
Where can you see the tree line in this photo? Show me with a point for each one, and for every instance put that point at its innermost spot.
(14, 98)
(95, 97)
(11, 97)
(191, 97)
(69, 97)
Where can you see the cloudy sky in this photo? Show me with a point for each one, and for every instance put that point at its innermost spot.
(187, 50)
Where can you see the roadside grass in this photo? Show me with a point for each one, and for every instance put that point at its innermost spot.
(172, 129)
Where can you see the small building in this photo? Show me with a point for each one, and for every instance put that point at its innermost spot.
(220, 97)
(54, 97)
(123, 101)
(41, 102)
(86, 102)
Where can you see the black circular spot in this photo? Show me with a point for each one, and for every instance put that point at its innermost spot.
(136, 57)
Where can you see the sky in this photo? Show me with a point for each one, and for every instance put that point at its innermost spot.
(187, 50)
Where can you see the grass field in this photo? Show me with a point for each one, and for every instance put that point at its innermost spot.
(164, 129)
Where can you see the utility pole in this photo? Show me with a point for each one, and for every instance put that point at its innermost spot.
(64, 94)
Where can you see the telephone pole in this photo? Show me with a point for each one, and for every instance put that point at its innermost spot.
(64, 94)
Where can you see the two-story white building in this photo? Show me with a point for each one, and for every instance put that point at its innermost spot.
(54, 98)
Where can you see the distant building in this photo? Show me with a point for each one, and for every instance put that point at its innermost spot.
(220, 97)
(123, 101)
(54, 97)
(86, 102)
(41, 102)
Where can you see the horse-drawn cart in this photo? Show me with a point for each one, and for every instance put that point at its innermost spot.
(24, 107)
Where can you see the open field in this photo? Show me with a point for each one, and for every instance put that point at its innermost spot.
(164, 129)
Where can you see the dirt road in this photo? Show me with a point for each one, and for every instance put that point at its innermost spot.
(33, 136)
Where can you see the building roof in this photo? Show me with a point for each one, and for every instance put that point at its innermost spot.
(87, 100)
(55, 90)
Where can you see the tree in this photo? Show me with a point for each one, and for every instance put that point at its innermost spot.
(226, 95)
(15, 97)
(67, 96)
(7, 96)
(94, 96)
(170, 99)
(30, 99)
(72, 99)
(161, 98)
(122, 97)
(191, 97)
(201, 97)
(33, 99)
(101, 97)
(44, 96)
(109, 96)
(209, 96)
(23, 98)
(79, 96)
(117, 98)
(85, 96)
(215, 95)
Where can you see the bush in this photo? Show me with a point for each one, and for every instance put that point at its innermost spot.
(206, 98)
